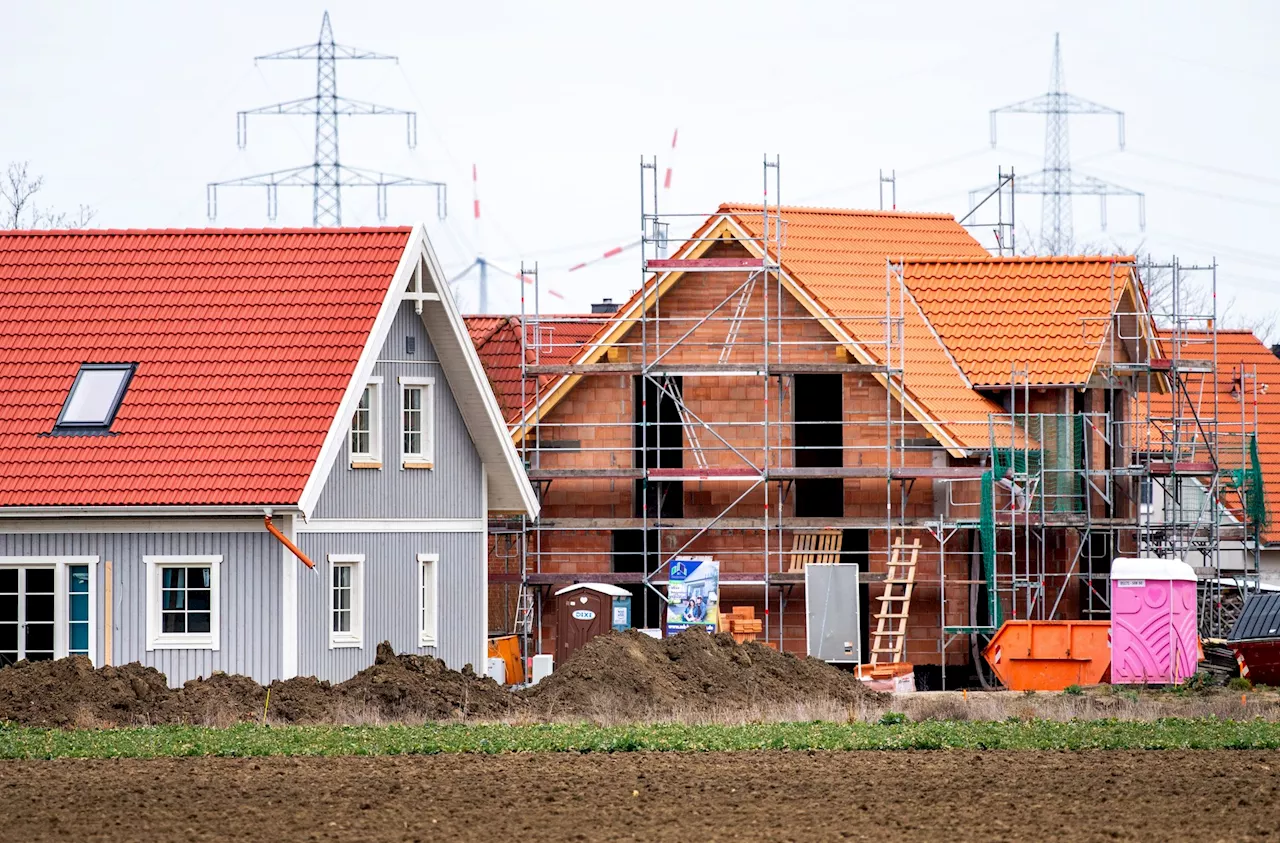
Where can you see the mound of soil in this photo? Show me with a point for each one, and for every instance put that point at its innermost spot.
(71, 692)
(222, 699)
(630, 675)
(411, 687)
(303, 699)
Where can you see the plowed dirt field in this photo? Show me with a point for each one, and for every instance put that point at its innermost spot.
(650, 796)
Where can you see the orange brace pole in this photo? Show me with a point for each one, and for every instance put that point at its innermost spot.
(284, 540)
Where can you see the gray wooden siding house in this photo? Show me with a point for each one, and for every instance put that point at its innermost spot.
(261, 452)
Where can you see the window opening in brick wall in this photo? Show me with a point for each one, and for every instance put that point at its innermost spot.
(818, 402)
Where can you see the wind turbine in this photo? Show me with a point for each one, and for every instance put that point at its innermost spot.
(480, 265)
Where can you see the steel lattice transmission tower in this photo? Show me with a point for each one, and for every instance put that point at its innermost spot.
(1056, 182)
(326, 175)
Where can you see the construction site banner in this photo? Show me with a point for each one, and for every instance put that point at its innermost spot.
(693, 595)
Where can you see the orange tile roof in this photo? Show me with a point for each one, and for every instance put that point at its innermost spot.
(839, 257)
(1045, 315)
(1236, 350)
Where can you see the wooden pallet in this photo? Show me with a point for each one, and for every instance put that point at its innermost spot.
(890, 639)
(816, 548)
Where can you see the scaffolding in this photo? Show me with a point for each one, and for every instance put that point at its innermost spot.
(1167, 468)
(1037, 514)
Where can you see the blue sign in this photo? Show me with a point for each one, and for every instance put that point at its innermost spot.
(693, 595)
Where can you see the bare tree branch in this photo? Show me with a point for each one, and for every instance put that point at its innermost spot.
(18, 189)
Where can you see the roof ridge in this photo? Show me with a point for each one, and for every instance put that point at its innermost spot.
(1017, 259)
(729, 207)
(933, 331)
(500, 322)
(94, 232)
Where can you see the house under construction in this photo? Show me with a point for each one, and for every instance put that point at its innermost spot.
(798, 385)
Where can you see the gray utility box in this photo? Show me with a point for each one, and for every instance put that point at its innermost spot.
(833, 623)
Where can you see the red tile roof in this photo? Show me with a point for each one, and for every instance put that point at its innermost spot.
(497, 341)
(245, 341)
(1235, 408)
(1043, 315)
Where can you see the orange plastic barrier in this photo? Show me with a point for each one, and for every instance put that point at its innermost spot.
(1050, 655)
(507, 648)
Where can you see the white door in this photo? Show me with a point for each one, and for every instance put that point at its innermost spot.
(28, 599)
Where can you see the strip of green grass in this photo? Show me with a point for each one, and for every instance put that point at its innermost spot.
(248, 740)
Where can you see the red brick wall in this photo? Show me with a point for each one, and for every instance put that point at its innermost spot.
(598, 413)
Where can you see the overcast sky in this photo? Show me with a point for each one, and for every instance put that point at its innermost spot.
(130, 107)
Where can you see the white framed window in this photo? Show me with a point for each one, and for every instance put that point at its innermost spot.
(364, 441)
(428, 599)
(346, 600)
(417, 426)
(183, 602)
(48, 607)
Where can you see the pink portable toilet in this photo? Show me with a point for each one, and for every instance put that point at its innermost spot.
(1153, 622)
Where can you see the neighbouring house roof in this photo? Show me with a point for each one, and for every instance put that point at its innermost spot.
(1237, 351)
(497, 341)
(250, 346)
(1047, 316)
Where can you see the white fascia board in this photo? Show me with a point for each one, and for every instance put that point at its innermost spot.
(141, 524)
(393, 525)
(492, 424)
(335, 438)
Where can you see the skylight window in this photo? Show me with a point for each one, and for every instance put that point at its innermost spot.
(95, 396)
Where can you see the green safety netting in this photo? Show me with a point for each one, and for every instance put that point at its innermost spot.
(1250, 481)
(987, 530)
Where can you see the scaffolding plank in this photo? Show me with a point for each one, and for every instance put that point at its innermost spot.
(603, 472)
(1166, 364)
(730, 524)
(702, 264)
(906, 472)
(636, 578)
(745, 472)
(1164, 469)
(753, 369)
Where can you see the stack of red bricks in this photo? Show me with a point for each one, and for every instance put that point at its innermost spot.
(742, 623)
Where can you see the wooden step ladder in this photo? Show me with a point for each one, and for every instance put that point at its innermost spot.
(890, 638)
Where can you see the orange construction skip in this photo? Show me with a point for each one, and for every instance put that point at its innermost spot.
(1050, 655)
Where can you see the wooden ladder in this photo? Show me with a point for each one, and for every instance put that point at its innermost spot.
(890, 639)
(820, 548)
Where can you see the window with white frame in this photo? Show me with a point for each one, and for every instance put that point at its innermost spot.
(47, 607)
(417, 429)
(365, 439)
(428, 599)
(183, 597)
(346, 600)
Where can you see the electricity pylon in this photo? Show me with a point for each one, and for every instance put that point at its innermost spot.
(326, 175)
(1056, 182)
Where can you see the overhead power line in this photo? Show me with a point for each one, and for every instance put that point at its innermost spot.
(1056, 183)
(326, 175)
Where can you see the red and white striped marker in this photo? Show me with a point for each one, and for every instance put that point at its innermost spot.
(666, 182)
(475, 199)
(617, 250)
